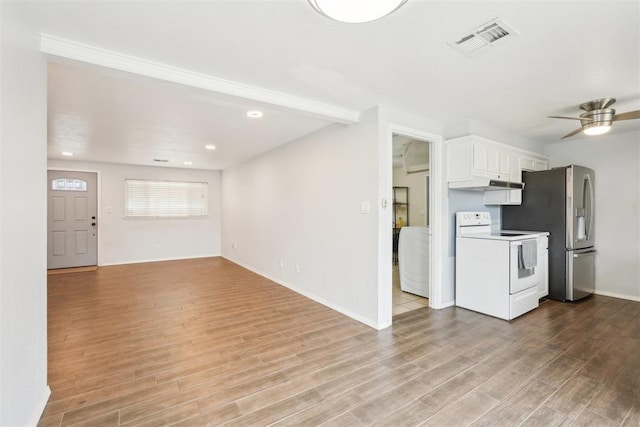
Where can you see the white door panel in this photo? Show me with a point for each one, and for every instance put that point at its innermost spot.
(72, 219)
(82, 237)
(58, 208)
(80, 212)
(58, 243)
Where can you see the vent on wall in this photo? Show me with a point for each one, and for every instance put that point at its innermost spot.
(488, 34)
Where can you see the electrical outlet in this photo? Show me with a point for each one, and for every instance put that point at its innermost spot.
(281, 263)
(298, 268)
(234, 245)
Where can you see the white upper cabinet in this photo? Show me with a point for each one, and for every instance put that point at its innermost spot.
(541, 165)
(471, 157)
(529, 163)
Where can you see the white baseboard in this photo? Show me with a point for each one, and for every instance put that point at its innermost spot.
(331, 305)
(106, 264)
(39, 409)
(444, 305)
(615, 295)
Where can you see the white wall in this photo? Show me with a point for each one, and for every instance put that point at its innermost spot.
(300, 204)
(23, 286)
(616, 161)
(417, 194)
(123, 241)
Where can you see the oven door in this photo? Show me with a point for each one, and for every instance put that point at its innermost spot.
(521, 278)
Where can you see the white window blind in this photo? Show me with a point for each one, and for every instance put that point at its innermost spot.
(165, 199)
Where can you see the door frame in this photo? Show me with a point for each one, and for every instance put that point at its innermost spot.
(98, 207)
(437, 214)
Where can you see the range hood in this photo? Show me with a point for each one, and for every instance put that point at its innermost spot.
(485, 184)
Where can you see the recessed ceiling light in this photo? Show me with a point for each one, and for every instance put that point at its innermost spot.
(67, 153)
(188, 163)
(254, 114)
(210, 147)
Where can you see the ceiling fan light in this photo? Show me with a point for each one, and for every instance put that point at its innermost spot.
(597, 129)
(355, 11)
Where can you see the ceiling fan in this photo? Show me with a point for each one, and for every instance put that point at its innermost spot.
(598, 117)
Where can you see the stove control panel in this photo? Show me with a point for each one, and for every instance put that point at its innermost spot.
(465, 219)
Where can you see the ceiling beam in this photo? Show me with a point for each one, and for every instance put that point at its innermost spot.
(69, 49)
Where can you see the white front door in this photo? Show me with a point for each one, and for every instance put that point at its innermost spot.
(72, 219)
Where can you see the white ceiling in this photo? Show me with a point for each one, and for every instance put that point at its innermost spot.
(102, 115)
(568, 52)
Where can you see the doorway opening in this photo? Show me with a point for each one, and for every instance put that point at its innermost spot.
(411, 251)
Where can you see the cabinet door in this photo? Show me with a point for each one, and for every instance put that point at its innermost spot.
(480, 156)
(515, 170)
(493, 160)
(527, 164)
(503, 197)
(486, 159)
(459, 160)
(504, 165)
(540, 165)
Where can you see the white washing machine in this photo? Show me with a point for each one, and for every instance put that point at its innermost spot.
(413, 260)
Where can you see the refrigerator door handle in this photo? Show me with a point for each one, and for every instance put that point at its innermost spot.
(583, 253)
(589, 219)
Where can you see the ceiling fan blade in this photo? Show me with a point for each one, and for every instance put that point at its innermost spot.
(572, 133)
(627, 116)
(569, 118)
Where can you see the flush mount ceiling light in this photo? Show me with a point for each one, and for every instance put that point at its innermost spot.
(254, 114)
(355, 11)
(67, 153)
(596, 129)
(187, 163)
(210, 147)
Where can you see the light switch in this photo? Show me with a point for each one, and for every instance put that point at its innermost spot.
(108, 209)
(365, 207)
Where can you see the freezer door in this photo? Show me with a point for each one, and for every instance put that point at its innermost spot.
(580, 273)
(580, 207)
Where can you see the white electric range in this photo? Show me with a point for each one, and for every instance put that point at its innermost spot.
(492, 277)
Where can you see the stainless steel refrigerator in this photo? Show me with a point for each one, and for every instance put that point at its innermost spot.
(561, 201)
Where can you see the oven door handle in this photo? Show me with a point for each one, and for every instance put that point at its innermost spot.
(519, 243)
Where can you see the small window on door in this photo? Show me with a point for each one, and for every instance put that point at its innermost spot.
(68, 184)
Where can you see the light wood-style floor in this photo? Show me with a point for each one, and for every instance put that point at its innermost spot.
(206, 342)
(403, 302)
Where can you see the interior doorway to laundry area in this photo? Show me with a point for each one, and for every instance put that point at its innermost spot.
(410, 224)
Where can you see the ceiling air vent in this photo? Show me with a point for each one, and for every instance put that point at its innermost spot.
(161, 160)
(485, 35)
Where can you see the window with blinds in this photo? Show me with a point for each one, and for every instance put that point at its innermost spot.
(165, 199)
